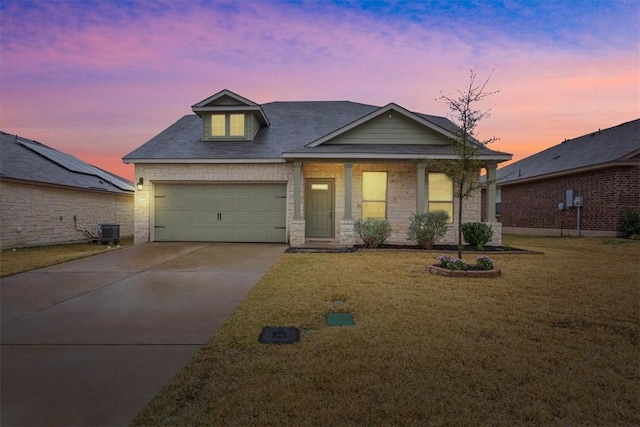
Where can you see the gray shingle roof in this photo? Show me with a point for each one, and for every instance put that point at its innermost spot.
(293, 125)
(592, 150)
(27, 160)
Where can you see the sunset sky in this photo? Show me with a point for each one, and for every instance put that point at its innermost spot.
(97, 79)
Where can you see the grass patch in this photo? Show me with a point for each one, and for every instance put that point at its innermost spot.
(553, 341)
(25, 259)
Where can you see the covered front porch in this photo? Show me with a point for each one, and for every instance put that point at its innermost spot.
(329, 197)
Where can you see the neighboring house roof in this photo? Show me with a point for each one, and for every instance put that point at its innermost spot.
(26, 160)
(297, 129)
(602, 148)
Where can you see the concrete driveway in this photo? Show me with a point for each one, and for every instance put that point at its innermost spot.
(91, 341)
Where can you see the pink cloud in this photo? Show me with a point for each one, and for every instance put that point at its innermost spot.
(103, 86)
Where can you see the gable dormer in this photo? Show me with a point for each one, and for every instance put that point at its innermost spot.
(228, 116)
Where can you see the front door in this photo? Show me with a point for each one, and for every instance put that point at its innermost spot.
(319, 208)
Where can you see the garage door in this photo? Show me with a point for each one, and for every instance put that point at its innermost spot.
(220, 212)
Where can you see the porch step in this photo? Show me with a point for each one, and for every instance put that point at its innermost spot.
(321, 245)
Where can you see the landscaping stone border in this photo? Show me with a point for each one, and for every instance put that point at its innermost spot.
(495, 272)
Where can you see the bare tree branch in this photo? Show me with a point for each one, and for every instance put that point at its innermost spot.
(464, 170)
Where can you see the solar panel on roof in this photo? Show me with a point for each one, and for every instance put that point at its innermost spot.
(75, 165)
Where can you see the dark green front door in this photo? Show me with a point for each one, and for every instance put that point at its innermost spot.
(319, 208)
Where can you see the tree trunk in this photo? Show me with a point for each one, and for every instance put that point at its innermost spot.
(460, 225)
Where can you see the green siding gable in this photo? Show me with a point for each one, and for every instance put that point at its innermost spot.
(390, 128)
(225, 100)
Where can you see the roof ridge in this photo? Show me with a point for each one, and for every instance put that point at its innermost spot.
(597, 132)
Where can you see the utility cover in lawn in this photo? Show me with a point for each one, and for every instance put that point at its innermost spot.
(340, 319)
(271, 335)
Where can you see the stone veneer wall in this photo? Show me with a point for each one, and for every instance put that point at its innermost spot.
(39, 215)
(401, 192)
(202, 173)
(401, 195)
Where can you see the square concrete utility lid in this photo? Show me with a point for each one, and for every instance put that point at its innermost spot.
(340, 319)
(279, 335)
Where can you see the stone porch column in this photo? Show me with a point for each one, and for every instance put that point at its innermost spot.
(297, 226)
(420, 179)
(491, 206)
(297, 185)
(347, 235)
(348, 190)
(491, 193)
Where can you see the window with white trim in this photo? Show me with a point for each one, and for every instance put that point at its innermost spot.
(441, 193)
(374, 195)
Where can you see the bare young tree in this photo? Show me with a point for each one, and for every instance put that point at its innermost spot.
(464, 170)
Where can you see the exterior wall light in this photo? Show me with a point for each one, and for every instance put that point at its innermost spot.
(140, 183)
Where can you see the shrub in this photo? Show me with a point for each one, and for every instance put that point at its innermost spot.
(630, 224)
(373, 232)
(477, 234)
(425, 228)
(484, 263)
(445, 261)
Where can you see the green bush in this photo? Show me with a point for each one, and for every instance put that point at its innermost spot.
(425, 228)
(630, 224)
(484, 263)
(373, 232)
(445, 261)
(477, 234)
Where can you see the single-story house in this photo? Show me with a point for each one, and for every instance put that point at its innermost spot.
(53, 197)
(581, 185)
(294, 172)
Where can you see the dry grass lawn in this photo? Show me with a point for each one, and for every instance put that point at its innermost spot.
(553, 341)
(25, 259)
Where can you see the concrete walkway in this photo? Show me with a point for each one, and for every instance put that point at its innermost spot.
(91, 341)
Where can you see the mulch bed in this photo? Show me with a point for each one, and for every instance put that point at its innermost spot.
(449, 248)
(436, 248)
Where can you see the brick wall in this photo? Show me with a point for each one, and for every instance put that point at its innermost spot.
(38, 215)
(606, 193)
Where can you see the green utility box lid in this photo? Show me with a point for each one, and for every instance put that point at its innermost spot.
(340, 319)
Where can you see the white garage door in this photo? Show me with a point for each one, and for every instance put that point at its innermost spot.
(220, 212)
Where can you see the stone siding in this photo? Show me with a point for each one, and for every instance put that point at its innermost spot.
(401, 193)
(39, 215)
(202, 173)
(401, 196)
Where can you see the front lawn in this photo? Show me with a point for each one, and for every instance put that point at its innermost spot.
(13, 261)
(553, 341)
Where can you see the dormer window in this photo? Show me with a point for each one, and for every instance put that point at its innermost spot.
(227, 125)
(227, 116)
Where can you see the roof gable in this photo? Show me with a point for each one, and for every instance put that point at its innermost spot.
(226, 101)
(224, 98)
(414, 129)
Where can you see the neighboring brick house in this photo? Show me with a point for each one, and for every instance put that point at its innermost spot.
(536, 195)
(294, 172)
(50, 197)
